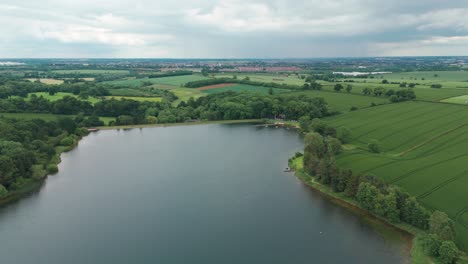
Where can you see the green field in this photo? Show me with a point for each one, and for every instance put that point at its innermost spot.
(343, 101)
(47, 117)
(176, 81)
(245, 88)
(463, 99)
(91, 72)
(185, 93)
(268, 78)
(424, 150)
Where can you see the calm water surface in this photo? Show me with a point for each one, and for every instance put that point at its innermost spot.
(189, 194)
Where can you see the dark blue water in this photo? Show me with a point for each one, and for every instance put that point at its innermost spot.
(189, 194)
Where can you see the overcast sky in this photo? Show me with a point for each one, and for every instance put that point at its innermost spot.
(231, 28)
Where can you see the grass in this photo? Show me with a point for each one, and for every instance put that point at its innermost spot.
(463, 99)
(185, 93)
(343, 101)
(46, 117)
(245, 88)
(424, 150)
(91, 72)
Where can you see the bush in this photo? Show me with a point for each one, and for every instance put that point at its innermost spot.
(3, 191)
(353, 108)
(52, 168)
(374, 147)
(67, 141)
(448, 252)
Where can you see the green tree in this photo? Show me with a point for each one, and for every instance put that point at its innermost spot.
(373, 146)
(448, 252)
(3, 191)
(366, 196)
(338, 87)
(349, 87)
(343, 134)
(431, 244)
(441, 225)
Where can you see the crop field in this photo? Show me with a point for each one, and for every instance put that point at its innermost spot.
(244, 88)
(423, 149)
(46, 117)
(91, 72)
(47, 81)
(277, 78)
(343, 101)
(176, 81)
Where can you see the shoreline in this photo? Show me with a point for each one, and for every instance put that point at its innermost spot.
(181, 124)
(408, 233)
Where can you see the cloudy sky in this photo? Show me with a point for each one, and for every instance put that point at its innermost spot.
(231, 28)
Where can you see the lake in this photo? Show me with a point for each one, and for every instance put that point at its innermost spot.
(186, 194)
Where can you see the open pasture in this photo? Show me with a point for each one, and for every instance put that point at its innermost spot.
(424, 150)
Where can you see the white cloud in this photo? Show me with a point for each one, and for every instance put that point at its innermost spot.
(83, 34)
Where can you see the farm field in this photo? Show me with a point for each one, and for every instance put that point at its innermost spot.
(424, 150)
(91, 72)
(176, 81)
(277, 78)
(46, 81)
(343, 101)
(46, 117)
(243, 88)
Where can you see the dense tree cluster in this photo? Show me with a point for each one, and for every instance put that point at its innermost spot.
(395, 96)
(28, 149)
